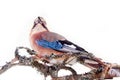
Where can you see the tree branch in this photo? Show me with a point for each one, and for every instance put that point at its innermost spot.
(98, 71)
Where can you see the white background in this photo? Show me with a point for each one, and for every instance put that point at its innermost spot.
(92, 24)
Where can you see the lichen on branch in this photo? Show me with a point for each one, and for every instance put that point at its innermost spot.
(107, 71)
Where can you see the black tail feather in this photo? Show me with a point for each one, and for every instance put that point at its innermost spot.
(70, 43)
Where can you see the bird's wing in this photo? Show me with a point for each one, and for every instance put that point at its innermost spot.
(51, 36)
(58, 42)
(69, 46)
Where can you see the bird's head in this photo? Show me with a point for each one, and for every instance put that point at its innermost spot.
(39, 25)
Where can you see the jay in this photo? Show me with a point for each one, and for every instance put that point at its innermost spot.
(45, 42)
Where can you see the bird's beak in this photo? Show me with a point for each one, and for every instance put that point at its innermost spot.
(39, 20)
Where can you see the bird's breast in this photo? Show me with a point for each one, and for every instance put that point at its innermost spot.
(41, 51)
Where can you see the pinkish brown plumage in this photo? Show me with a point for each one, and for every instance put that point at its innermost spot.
(45, 42)
(41, 51)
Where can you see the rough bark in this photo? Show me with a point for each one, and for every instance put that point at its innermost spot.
(98, 71)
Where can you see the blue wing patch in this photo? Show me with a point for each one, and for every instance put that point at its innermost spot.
(54, 45)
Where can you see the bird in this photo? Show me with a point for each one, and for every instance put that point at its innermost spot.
(42, 38)
(45, 42)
